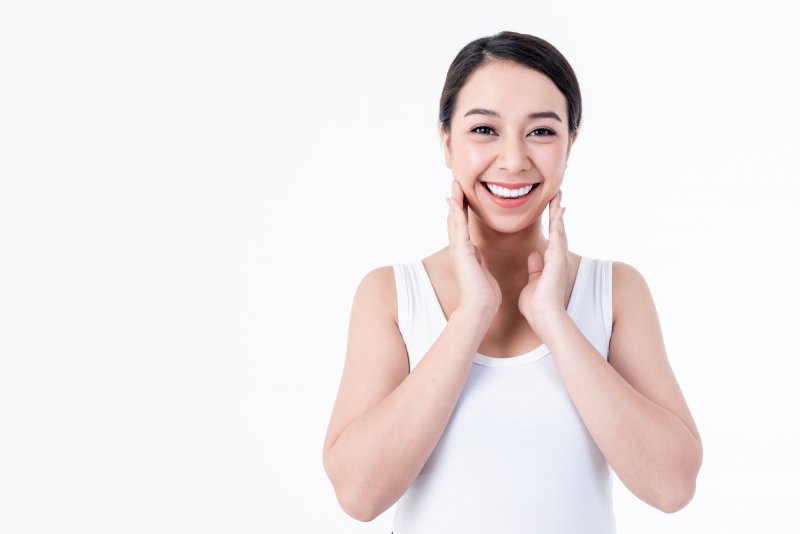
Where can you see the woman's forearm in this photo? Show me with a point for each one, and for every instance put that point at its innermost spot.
(378, 456)
(651, 450)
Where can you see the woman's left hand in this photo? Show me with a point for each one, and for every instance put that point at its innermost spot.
(545, 292)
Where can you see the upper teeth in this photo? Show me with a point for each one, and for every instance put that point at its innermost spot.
(504, 192)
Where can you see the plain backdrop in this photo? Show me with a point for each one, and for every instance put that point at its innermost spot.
(190, 192)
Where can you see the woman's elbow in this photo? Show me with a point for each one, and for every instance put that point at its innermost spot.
(677, 500)
(683, 491)
(356, 508)
(346, 487)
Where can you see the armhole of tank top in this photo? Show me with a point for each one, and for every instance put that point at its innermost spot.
(607, 293)
(402, 304)
(401, 290)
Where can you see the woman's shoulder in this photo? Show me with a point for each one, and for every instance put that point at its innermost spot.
(378, 287)
(628, 286)
(380, 283)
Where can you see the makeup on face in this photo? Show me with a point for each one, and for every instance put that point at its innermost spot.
(509, 125)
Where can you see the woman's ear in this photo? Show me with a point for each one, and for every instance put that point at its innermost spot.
(444, 137)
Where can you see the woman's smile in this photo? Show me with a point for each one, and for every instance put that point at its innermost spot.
(507, 197)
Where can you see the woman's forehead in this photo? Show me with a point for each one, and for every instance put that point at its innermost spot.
(510, 89)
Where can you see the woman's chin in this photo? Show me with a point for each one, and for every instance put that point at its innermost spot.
(509, 223)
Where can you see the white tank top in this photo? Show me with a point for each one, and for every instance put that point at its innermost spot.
(515, 456)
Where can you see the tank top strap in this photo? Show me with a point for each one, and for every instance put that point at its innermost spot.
(593, 315)
(605, 280)
(419, 315)
(404, 287)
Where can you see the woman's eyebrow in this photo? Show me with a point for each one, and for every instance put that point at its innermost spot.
(535, 115)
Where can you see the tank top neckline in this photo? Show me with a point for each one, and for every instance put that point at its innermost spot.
(520, 359)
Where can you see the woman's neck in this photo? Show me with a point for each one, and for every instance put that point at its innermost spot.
(506, 255)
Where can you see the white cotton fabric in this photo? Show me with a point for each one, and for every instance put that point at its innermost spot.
(515, 457)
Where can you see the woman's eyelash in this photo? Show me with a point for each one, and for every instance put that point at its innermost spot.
(548, 130)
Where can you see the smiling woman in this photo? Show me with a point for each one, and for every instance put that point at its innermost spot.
(502, 142)
(493, 385)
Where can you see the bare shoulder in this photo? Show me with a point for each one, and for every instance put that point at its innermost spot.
(637, 350)
(377, 288)
(628, 286)
(376, 360)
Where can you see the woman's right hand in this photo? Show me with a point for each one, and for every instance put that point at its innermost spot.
(477, 288)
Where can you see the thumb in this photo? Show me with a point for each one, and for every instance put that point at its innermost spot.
(535, 266)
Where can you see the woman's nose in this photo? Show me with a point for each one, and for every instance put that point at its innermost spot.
(513, 157)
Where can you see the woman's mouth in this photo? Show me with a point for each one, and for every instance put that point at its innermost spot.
(507, 197)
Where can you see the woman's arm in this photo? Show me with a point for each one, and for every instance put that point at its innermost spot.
(387, 421)
(631, 404)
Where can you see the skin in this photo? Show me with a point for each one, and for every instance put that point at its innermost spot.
(498, 260)
(515, 149)
(504, 289)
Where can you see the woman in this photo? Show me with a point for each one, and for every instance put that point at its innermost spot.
(491, 386)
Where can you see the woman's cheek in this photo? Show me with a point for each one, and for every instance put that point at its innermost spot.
(466, 168)
(473, 157)
(551, 161)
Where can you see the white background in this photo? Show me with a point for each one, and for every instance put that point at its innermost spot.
(190, 193)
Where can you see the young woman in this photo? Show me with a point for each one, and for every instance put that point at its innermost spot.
(491, 386)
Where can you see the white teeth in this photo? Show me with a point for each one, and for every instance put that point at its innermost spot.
(504, 192)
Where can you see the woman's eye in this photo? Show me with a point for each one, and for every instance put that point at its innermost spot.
(486, 129)
(481, 128)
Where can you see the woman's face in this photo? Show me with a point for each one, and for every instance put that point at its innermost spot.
(508, 147)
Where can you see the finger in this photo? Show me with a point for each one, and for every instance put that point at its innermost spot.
(461, 199)
(558, 233)
(454, 224)
(465, 208)
(534, 264)
(554, 207)
(452, 231)
(460, 215)
(555, 202)
(551, 208)
(450, 222)
(457, 226)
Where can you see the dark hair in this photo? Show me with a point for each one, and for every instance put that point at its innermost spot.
(527, 50)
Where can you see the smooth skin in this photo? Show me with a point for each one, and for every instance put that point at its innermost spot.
(504, 289)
